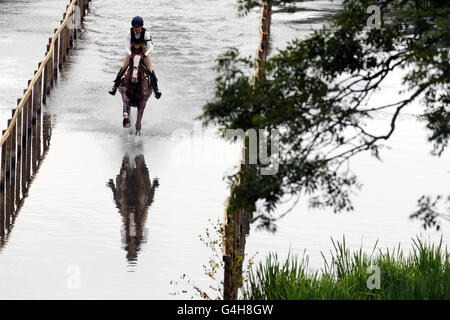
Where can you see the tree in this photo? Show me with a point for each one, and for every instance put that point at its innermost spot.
(317, 93)
(245, 6)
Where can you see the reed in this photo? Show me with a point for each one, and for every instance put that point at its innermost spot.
(422, 274)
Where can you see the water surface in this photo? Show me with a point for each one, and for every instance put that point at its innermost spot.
(73, 224)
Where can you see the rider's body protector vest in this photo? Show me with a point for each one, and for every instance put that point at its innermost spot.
(138, 45)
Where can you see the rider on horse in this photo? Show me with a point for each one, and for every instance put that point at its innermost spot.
(138, 40)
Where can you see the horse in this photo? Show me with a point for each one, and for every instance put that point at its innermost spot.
(133, 194)
(135, 90)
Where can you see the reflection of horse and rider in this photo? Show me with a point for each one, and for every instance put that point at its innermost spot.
(133, 193)
(140, 80)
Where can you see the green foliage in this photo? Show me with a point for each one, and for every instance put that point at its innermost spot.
(429, 212)
(423, 274)
(213, 270)
(245, 6)
(212, 239)
(317, 93)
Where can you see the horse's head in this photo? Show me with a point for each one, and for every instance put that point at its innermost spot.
(136, 69)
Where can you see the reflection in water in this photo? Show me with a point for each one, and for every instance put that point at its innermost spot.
(133, 193)
(23, 160)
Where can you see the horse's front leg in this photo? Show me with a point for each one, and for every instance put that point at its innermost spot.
(145, 94)
(126, 111)
(140, 113)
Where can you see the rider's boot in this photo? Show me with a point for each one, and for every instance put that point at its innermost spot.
(154, 84)
(113, 89)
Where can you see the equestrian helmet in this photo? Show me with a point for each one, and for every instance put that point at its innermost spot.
(137, 22)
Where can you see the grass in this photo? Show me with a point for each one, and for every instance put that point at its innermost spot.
(422, 274)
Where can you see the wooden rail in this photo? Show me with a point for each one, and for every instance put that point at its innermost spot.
(236, 224)
(27, 138)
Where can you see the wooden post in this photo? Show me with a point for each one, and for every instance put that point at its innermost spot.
(237, 224)
(227, 278)
(36, 100)
(48, 76)
(67, 40)
(63, 44)
(52, 64)
(67, 37)
(64, 41)
(81, 6)
(38, 133)
(61, 50)
(24, 145)
(50, 73)
(8, 179)
(2, 189)
(74, 19)
(29, 138)
(56, 55)
(69, 28)
(85, 7)
(13, 163)
(44, 93)
(19, 154)
(63, 32)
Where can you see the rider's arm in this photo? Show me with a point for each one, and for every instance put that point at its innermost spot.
(149, 42)
(127, 43)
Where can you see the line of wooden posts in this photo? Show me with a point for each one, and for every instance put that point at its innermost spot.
(27, 136)
(236, 224)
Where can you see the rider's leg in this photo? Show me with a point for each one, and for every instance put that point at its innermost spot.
(148, 63)
(153, 79)
(126, 61)
(119, 76)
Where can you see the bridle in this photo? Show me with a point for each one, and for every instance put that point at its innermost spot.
(135, 69)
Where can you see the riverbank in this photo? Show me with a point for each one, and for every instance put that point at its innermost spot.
(390, 188)
(423, 274)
